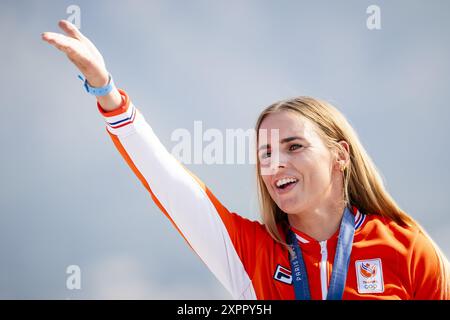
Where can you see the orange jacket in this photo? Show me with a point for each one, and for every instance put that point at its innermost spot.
(388, 261)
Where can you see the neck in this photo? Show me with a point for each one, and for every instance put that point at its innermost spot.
(318, 223)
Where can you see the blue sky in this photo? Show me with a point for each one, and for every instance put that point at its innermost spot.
(66, 195)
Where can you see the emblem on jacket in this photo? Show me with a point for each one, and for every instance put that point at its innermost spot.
(369, 275)
(283, 274)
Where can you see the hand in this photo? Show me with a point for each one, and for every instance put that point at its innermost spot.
(85, 56)
(81, 51)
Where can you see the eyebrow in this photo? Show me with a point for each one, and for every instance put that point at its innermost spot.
(285, 140)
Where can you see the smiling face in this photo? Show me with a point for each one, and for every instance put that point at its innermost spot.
(299, 171)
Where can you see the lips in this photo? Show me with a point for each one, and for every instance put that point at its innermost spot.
(285, 184)
(287, 188)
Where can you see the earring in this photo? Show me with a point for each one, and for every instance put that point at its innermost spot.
(343, 167)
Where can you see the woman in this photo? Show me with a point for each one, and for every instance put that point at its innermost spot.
(331, 231)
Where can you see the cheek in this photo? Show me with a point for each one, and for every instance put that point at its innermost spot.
(266, 180)
(314, 169)
(320, 172)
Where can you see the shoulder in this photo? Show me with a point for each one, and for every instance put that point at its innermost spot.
(408, 243)
(389, 232)
(406, 239)
(417, 260)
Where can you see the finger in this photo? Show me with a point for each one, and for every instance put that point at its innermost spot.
(60, 41)
(70, 29)
(46, 36)
(55, 37)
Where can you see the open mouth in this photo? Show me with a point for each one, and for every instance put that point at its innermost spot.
(285, 183)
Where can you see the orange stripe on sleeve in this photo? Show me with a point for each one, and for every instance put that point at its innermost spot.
(136, 171)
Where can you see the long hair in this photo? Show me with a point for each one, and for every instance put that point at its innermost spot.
(363, 185)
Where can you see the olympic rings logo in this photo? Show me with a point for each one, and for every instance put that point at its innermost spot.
(371, 286)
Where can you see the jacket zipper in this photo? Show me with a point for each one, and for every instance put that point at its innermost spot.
(323, 269)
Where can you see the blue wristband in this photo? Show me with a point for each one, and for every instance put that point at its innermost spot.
(98, 92)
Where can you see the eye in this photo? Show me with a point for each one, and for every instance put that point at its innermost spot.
(295, 146)
(265, 155)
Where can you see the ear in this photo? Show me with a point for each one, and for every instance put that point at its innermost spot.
(342, 155)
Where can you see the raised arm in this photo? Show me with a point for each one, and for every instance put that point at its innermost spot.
(226, 242)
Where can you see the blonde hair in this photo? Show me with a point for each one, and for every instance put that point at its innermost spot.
(363, 185)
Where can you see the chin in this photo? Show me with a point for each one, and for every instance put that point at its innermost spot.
(289, 208)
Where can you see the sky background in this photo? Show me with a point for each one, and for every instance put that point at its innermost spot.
(68, 198)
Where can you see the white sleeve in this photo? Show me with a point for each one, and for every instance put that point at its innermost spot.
(204, 223)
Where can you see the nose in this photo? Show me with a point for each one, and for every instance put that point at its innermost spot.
(278, 161)
(277, 166)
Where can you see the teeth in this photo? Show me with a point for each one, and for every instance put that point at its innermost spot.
(284, 181)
